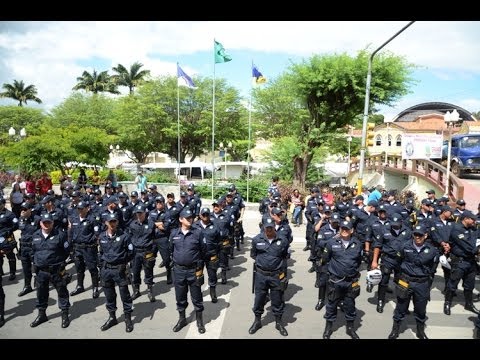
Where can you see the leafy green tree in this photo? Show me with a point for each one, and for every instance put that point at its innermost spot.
(131, 78)
(148, 120)
(50, 148)
(19, 92)
(82, 110)
(18, 118)
(95, 83)
(315, 100)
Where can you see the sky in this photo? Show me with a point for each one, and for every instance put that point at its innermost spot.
(51, 55)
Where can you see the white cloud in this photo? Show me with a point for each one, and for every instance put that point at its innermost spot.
(52, 55)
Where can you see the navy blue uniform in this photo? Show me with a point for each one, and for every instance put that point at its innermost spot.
(224, 222)
(343, 268)
(463, 247)
(142, 234)
(416, 270)
(161, 235)
(27, 226)
(188, 251)
(115, 252)
(49, 255)
(211, 234)
(83, 236)
(270, 272)
(8, 224)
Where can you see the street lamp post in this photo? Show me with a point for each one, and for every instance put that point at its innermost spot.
(450, 119)
(365, 110)
(21, 135)
(349, 139)
(225, 150)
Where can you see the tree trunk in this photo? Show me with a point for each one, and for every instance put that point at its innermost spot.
(300, 166)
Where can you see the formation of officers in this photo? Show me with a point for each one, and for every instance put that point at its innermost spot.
(394, 240)
(115, 236)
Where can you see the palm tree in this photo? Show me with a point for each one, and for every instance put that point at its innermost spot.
(96, 83)
(19, 92)
(132, 78)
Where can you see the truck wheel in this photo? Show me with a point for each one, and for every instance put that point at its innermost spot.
(456, 170)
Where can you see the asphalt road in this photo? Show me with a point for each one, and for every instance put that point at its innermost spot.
(231, 317)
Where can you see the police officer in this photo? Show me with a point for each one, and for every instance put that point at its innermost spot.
(343, 253)
(224, 222)
(440, 234)
(8, 224)
(142, 231)
(162, 232)
(83, 232)
(418, 261)
(269, 250)
(463, 247)
(212, 236)
(50, 250)
(116, 250)
(188, 248)
(386, 247)
(325, 233)
(28, 224)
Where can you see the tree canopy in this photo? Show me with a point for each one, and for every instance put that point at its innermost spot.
(19, 92)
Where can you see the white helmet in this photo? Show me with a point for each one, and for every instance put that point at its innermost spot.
(444, 262)
(374, 277)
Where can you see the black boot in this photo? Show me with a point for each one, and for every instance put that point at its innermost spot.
(169, 276)
(151, 297)
(162, 264)
(306, 248)
(395, 330)
(382, 290)
(111, 321)
(469, 302)
(321, 298)
(213, 294)
(12, 277)
(200, 326)
(257, 324)
(182, 322)
(448, 302)
(13, 267)
(223, 276)
(328, 330)
(369, 287)
(421, 330)
(41, 318)
(65, 318)
(351, 331)
(95, 292)
(279, 326)
(128, 322)
(136, 292)
(79, 289)
(2, 312)
(26, 289)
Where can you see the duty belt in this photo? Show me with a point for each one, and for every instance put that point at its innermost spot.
(143, 248)
(419, 279)
(50, 269)
(26, 243)
(185, 267)
(84, 246)
(456, 258)
(336, 278)
(110, 266)
(267, 273)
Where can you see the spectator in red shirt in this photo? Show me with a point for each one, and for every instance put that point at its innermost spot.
(44, 184)
(30, 185)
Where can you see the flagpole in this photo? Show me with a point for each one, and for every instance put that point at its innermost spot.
(213, 122)
(178, 138)
(249, 138)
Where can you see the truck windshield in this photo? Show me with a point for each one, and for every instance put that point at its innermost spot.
(470, 142)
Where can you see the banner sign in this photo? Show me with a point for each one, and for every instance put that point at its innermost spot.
(421, 146)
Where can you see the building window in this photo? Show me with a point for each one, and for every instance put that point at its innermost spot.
(378, 140)
(399, 140)
(389, 140)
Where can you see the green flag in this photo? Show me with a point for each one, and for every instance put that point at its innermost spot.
(220, 55)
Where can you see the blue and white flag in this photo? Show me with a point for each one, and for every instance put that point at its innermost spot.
(184, 79)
